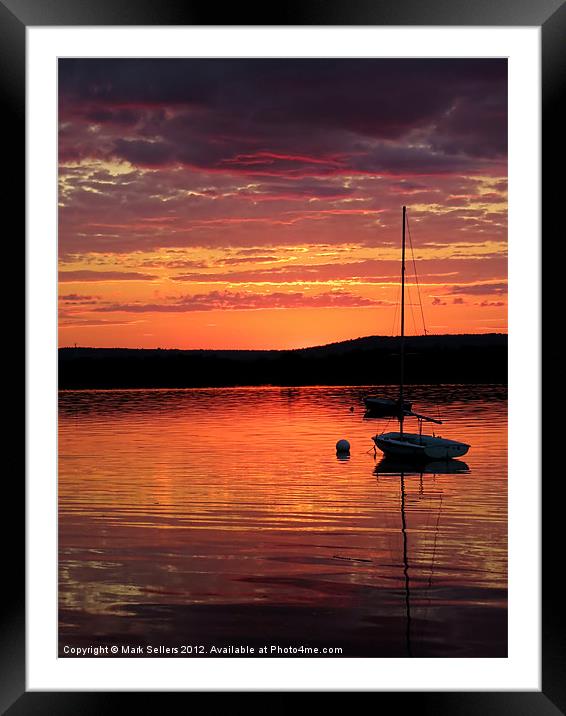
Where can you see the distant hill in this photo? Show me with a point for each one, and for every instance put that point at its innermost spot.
(473, 358)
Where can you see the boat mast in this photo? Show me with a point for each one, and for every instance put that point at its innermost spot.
(402, 350)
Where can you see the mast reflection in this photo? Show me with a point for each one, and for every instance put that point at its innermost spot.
(394, 468)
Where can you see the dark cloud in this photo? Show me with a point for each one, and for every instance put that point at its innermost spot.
(405, 187)
(87, 322)
(474, 126)
(290, 189)
(246, 260)
(71, 276)
(143, 152)
(480, 289)
(372, 270)
(230, 300)
(287, 117)
(77, 298)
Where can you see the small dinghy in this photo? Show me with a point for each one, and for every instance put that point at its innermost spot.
(384, 407)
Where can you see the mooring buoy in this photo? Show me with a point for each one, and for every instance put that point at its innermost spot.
(342, 447)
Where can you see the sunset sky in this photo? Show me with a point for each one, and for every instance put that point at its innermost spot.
(257, 203)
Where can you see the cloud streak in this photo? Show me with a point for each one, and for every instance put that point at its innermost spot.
(233, 301)
(479, 289)
(93, 276)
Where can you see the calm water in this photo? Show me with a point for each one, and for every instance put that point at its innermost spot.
(223, 517)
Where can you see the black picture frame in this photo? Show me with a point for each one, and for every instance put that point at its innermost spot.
(550, 15)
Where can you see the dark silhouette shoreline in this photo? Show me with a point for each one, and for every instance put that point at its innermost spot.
(435, 359)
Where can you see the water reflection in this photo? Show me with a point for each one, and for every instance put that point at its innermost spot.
(225, 512)
(388, 466)
(393, 468)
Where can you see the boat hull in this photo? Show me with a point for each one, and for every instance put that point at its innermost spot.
(419, 447)
(384, 407)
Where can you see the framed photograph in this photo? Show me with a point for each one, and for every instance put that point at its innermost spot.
(283, 289)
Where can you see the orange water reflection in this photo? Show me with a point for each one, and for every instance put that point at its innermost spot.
(173, 502)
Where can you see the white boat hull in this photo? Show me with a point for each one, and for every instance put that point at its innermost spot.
(419, 447)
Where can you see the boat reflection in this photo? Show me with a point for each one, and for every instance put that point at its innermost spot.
(395, 468)
(388, 466)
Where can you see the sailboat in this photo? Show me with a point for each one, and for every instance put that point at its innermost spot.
(414, 446)
(377, 407)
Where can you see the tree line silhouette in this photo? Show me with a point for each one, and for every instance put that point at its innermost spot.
(470, 358)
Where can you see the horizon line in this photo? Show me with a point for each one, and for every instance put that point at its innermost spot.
(300, 348)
